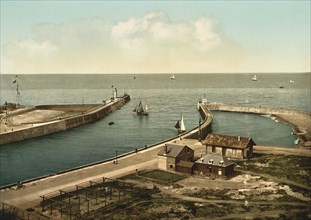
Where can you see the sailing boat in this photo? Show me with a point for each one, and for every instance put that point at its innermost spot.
(172, 77)
(180, 125)
(141, 110)
(254, 78)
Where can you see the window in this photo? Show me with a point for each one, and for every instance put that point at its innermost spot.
(219, 172)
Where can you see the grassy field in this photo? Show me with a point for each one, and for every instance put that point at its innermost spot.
(288, 168)
(158, 176)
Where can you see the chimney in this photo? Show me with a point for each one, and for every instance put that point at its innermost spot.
(239, 138)
(165, 149)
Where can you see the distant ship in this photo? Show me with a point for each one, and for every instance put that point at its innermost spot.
(180, 125)
(141, 110)
(172, 77)
(254, 78)
(292, 81)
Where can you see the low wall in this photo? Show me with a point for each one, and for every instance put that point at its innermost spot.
(63, 124)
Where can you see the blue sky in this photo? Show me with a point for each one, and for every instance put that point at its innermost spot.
(155, 36)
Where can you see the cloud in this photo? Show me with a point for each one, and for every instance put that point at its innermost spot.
(150, 43)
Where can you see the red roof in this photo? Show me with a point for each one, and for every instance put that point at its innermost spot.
(228, 141)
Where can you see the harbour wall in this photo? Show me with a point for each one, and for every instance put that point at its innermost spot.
(299, 120)
(70, 107)
(94, 113)
(205, 126)
(32, 132)
(255, 110)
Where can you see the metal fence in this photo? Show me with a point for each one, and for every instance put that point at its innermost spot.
(86, 199)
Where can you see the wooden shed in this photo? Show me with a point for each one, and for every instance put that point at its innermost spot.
(229, 146)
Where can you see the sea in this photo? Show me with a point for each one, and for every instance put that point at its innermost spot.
(167, 99)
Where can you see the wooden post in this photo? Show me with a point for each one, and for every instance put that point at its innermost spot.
(119, 193)
(96, 197)
(79, 203)
(88, 206)
(51, 208)
(43, 202)
(70, 211)
(61, 210)
(85, 195)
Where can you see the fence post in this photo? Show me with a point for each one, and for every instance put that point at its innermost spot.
(43, 203)
(51, 208)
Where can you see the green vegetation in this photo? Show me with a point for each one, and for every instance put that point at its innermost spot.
(158, 176)
(162, 208)
(285, 168)
(162, 176)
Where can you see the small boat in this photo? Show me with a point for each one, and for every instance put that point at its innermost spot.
(172, 77)
(180, 125)
(281, 86)
(141, 110)
(292, 81)
(254, 78)
(111, 123)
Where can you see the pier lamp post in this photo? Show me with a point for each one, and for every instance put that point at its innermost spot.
(116, 157)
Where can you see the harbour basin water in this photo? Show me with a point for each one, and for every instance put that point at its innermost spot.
(166, 98)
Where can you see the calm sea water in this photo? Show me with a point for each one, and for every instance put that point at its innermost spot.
(166, 99)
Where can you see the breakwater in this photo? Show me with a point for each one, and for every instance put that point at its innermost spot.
(79, 115)
(300, 121)
(204, 127)
(252, 109)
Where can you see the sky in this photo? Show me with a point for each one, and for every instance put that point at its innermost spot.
(156, 36)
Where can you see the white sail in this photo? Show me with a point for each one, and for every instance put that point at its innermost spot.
(173, 76)
(182, 125)
(254, 78)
